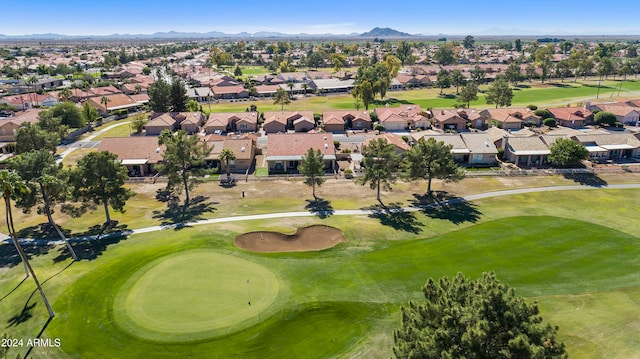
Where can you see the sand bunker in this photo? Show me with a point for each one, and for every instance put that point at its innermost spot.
(312, 238)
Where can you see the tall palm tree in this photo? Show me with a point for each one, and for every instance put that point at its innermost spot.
(227, 155)
(11, 185)
(105, 100)
(32, 80)
(305, 87)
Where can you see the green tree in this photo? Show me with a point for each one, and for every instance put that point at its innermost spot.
(89, 113)
(445, 55)
(312, 167)
(137, 123)
(65, 95)
(483, 318)
(182, 161)
(468, 93)
(381, 163)
(364, 91)
(518, 45)
(468, 42)
(530, 72)
(281, 98)
(403, 51)
(443, 80)
(315, 60)
(226, 156)
(48, 185)
(432, 159)
(478, 75)
(605, 118)
(13, 187)
(159, 95)
(237, 71)
(567, 153)
(544, 55)
(193, 106)
(457, 79)
(219, 57)
(32, 137)
(499, 92)
(104, 100)
(178, 96)
(69, 114)
(513, 73)
(338, 60)
(99, 179)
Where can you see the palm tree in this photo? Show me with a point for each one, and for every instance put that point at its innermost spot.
(290, 85)
(32, 80)
(105, 100)
(65, 95)
(227, 155)
(12, 185)
(305, 87)
(281, 97)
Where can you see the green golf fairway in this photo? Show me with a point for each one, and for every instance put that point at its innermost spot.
(190, 295)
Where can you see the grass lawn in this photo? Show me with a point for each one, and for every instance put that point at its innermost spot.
(550, 94)
(576, 253)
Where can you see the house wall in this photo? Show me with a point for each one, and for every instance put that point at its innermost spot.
(482, 159)
(361, 125)
(394, 126)
(155, 130)
(334, 127)
(511, 125)
(304, 126)
(274, 127)
(190, 128)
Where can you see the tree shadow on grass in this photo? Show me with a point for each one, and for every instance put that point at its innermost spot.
(441, 205)
(14, 289)
(587, 179)
(394, 216)
(9, 254)
(24, 315)
(320, 207)
(176, 215)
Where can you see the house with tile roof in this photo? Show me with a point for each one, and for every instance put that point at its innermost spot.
(341, 120)
(115, 102)
(610, 146)
(232, 122)
(138, 154)
(402, 117)
(286, 150)
(448, 120)
(571, 116)
(625, 114)
(192, 122)
(281, 121)
(400, 146)
(160, 122)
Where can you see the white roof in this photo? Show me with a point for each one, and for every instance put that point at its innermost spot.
(532, 152)
(460, 151)
(134, 161)
(593, 149)
(618, 147)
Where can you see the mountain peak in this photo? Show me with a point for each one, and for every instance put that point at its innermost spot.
(384, 32)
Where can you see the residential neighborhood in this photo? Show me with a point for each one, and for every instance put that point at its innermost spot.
(291, 195)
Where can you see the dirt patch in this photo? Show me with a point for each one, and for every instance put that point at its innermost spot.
(312, 238)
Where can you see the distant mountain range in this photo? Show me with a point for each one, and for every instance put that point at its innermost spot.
(375, 32)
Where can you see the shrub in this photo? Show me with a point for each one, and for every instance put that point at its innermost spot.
(605, 118)
(345, 150)
(543, 113)
(532, 107)
(336, 144)
(379, 127)
(550, 122)
(405, 138)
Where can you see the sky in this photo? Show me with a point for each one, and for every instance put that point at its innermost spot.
(428, 17)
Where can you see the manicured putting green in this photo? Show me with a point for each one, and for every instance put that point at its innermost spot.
(193, 295)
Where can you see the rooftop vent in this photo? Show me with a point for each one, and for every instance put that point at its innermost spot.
(243, 149)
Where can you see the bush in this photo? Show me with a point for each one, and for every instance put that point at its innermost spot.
(550, 122)
(405, 138)
(532, 107)
(605, 118)
(336, 144)
(379, 127)
(543, 114)
(345, 150)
